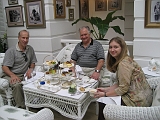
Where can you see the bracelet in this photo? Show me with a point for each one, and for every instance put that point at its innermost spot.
(105, 94)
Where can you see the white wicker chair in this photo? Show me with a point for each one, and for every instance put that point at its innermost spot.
(115, 112)
(14, 113)
(44, 114)
(5, 90)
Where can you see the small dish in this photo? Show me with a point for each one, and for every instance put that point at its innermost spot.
(66, 84)
(83, 90)
(81, 84)
(91, 80)
(65, 66)
(50, 63)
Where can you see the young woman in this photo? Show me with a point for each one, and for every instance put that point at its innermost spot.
(131, 84)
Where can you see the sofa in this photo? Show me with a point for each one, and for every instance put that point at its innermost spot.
(116, 112)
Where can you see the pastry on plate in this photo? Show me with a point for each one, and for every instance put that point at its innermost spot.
(50, 62)
(69, 64)
(82, 89)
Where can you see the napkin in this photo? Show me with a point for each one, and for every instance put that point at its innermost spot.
(78, 71)
(110, 100)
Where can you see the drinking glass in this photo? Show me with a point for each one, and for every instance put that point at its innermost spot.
(33, 74)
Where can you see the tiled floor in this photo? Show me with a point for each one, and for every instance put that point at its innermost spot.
(90, 114)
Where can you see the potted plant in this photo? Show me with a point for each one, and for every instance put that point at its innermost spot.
(3, 43)
(102, 25)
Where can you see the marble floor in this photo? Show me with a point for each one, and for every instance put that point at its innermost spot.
(90, 114)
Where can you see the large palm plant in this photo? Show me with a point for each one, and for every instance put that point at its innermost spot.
(102, 25)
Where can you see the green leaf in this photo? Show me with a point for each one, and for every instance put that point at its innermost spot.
(102, 25)
(117, 30)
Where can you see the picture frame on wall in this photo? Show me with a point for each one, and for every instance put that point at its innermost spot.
(14, 16)
(34, 13)
(59, 8)
(68, 3)
(71, 14)
(12, 2)
(152, 14)
(100, 5)
(84, 9)
(114, 5)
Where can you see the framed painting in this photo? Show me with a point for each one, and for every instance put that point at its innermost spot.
(14, 16)
(12, 2)
(68, 3)
(59, 8)
(152, 14)
(114, 5)
(84, 9)
(100, 5)
(71, 14)
(34, 13)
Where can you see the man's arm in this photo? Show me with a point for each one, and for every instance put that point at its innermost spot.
(14, 78)
(100, 64)
(96, 74)
(30, 70)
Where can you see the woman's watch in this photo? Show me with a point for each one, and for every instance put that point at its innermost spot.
(98, 71)
(105, 94)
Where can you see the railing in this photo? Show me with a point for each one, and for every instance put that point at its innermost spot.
(75, 41)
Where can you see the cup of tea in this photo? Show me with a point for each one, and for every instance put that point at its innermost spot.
(92, 91)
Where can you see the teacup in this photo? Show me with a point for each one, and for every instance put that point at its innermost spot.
(92, 91)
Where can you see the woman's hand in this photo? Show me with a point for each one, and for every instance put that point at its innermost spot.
(99, 94)
(103, 89)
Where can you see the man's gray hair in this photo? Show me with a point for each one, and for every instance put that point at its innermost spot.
(19, 34)
(89, 31)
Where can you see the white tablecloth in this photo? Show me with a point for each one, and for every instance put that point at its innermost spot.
(150, 73)
(62, 92)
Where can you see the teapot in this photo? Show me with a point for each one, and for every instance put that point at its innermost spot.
(152, 65)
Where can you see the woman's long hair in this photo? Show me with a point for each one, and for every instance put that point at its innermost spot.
(112, 63)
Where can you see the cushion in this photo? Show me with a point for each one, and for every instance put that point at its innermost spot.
(4, 83)
(156, 96)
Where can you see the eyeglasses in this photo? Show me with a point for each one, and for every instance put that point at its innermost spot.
(25, 56)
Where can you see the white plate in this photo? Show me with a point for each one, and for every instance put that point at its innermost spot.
(86, 89)
(51, 65)
(66, 84)
(53, 82)
(62, 66)
(80, 84)
(91, 81)
(50, 88)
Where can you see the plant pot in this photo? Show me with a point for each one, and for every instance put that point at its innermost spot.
(104, 41)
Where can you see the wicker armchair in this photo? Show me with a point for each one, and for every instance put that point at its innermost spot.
(116, 112)
(14, 113)
(5, 90)
(44, 114)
